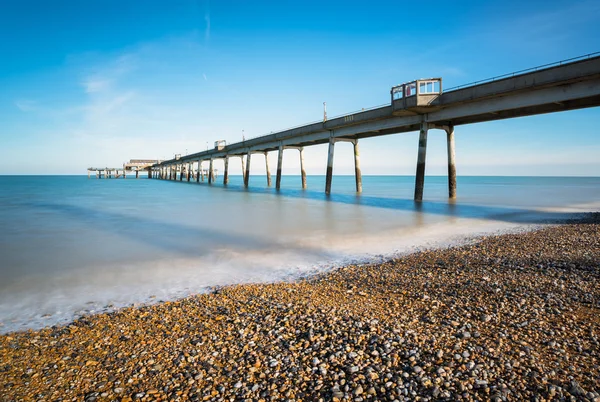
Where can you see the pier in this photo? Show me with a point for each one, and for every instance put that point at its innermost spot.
(420, 105)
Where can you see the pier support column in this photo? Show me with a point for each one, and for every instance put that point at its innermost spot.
(451, 162)
(88, 174)
(420, 177)
(211, 176)
(302, 171)
(137, 174)
(150, 173)
(181, 172)
(329, 175)
(198, 171)
(226, 171)
(357, 173)
(189, 171)
(247, 176)
(243, 168)
(268, 170)
(279, 166)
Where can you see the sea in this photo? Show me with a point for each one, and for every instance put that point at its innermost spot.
(72, 246)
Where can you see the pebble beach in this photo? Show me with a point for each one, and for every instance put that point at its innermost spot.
(507, 318)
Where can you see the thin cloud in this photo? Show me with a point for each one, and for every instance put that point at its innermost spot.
(207, 29)
(26, 105)
(95, 85)
(204, 75)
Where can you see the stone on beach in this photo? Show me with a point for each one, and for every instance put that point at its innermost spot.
(510, 317)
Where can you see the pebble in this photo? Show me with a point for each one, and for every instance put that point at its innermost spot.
(508, 317)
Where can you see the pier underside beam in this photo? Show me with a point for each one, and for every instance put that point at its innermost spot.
(279, 166)
(420, 176)
(329, 175)
(451, 163)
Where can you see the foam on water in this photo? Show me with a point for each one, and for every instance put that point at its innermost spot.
(74, 246)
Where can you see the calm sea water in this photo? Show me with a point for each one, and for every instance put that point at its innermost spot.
(71, 245)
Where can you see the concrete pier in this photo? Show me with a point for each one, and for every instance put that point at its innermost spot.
(247, 176)
(357, 173)
(226, 171)
(267, 169)
(189, 171)
(421, 105)
(198, 171)
(451, 162)
(302, 171)
(420, 176)
(279, 166)
(210, 172)
(329, 175)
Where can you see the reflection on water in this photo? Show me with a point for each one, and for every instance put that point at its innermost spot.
(70, 244)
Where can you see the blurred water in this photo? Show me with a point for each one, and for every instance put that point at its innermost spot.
(72, 245)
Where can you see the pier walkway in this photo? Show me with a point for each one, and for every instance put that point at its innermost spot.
(419, 105)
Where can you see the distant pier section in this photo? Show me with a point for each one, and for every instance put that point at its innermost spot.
(134, 165)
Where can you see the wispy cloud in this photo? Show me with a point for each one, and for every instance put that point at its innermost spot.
(207, 29)
(95, 85)
(204, 75)
(26, 105)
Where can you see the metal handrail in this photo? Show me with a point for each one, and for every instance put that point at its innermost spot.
(528, 70)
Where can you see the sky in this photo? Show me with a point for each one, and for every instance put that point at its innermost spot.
(96, 83)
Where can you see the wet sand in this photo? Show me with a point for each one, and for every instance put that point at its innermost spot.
(511, 317)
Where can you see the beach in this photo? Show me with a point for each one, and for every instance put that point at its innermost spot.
(508, 317)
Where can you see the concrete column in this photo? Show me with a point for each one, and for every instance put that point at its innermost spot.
(150, 173)
(302, 171)
(357, 173)
(198, 172)
(181, 172)
(210, 172)
(189, 171)
(451, 162)
(268, 170)
(247, 177)
(329, 176)
(279, 165)
(243, 168)
(137, 174)
(226, 172)
(420, 177)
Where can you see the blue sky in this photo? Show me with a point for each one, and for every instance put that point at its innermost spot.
(95, 83)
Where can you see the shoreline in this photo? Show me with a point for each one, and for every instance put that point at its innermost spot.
(513, 316)
(429, 242)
